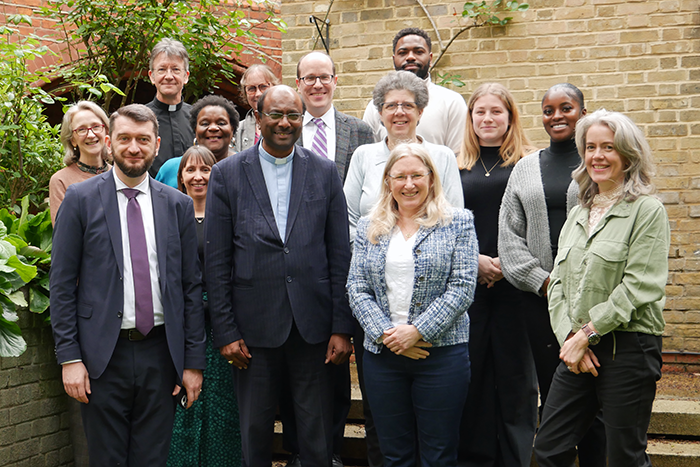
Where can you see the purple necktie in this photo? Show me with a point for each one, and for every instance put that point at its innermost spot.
(320, 145)
(139, 263)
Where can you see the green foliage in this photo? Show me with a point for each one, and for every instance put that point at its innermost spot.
(481, 14)
(30, 151)
(444, 79)
(113, 39)
(25, 257)
(484, 13)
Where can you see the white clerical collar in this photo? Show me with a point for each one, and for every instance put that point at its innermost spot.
(266, 156)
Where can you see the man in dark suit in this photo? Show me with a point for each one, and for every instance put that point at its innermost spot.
(277, 257)
(126, 300)
(326, 131)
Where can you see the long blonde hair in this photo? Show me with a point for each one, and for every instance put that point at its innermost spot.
(385, 213)
(515, 143)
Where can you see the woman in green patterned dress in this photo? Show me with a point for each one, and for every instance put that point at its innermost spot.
(208, 433)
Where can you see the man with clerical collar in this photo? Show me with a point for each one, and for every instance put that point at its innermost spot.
(277, 254)
(169, 72)
(445, 117)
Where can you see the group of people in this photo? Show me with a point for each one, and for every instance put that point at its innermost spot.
(471, 272)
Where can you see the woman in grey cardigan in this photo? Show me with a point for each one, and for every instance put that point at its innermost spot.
(539, 195)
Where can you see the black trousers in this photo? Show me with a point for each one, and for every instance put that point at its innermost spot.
(340, 380)
(129, 419)
(630, 366)
(500, 415)
(545, 350)
(299, 366)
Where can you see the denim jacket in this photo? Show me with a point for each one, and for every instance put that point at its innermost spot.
(615, 277)
(446, 264)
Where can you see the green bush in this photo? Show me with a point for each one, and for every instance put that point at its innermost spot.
(25, 257)
(30, 150)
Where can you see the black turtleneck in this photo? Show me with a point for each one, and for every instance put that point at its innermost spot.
(556, 164)
(482, 195)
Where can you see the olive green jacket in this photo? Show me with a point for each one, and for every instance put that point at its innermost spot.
(615, 278)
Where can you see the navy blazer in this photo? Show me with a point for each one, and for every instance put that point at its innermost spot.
(259, 285)
(350, 133)
(87, 263)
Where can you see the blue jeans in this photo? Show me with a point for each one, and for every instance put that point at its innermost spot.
(425, 395)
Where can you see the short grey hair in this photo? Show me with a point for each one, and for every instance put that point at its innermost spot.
(71, 154)
(171, 48)
(401, 81)
(630, 144)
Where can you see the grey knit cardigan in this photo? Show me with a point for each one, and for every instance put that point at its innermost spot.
(524, 247)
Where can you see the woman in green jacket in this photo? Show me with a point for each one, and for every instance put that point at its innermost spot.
(606, 298)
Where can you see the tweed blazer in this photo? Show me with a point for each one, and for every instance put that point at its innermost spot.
(524, 246)
(446, 264)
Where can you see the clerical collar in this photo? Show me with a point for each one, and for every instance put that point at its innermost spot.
(272, 159)
(168, 107)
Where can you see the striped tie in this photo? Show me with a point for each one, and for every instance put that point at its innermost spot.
(320, 145)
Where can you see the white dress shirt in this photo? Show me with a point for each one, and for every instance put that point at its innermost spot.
(310, 128)
(144, 199)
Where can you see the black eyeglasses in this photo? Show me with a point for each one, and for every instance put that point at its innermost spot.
(310, 80)
(292, 117)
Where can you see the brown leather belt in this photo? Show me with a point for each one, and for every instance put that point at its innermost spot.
(135, 335)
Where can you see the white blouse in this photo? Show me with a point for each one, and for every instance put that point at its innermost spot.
(398, 273)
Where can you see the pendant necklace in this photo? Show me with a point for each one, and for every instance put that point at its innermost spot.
(488, 171)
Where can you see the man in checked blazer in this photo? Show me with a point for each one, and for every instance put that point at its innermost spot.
(316, 82)
(277, 257)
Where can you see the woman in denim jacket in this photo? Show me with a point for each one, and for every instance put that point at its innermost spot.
(606, 298)
(411, 280)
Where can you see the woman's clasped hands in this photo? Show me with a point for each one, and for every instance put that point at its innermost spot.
(405, 340)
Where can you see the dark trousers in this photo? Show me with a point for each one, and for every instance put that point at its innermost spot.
(340, 380)
(374, 454)
(300, 367)
(129, 419)
(424, 395)
(630, 366)
(545, 350)
(500, 415)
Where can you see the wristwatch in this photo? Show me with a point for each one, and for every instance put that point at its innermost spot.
(593, 337)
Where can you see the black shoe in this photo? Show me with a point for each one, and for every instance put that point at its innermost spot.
(337, 461)
(294, 460)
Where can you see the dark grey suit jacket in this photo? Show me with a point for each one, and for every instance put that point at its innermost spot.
(350, 132)
(87, 292)
(258, 284)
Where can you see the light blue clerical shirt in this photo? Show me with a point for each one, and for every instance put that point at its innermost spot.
(278, 179)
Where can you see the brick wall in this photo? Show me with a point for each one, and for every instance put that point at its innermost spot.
(640, 57)
(33, 418)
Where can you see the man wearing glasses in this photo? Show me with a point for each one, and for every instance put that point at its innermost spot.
(169, 72)
(326, 131)
(277, 256)
(445, 116)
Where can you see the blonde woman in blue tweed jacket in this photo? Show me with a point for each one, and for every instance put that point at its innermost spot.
(411, 281)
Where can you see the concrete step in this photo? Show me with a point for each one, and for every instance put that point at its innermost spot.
(675, 418)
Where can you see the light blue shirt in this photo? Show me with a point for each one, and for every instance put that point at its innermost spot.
(278, 179)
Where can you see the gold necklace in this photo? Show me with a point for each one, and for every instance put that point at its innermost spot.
(488, 171)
